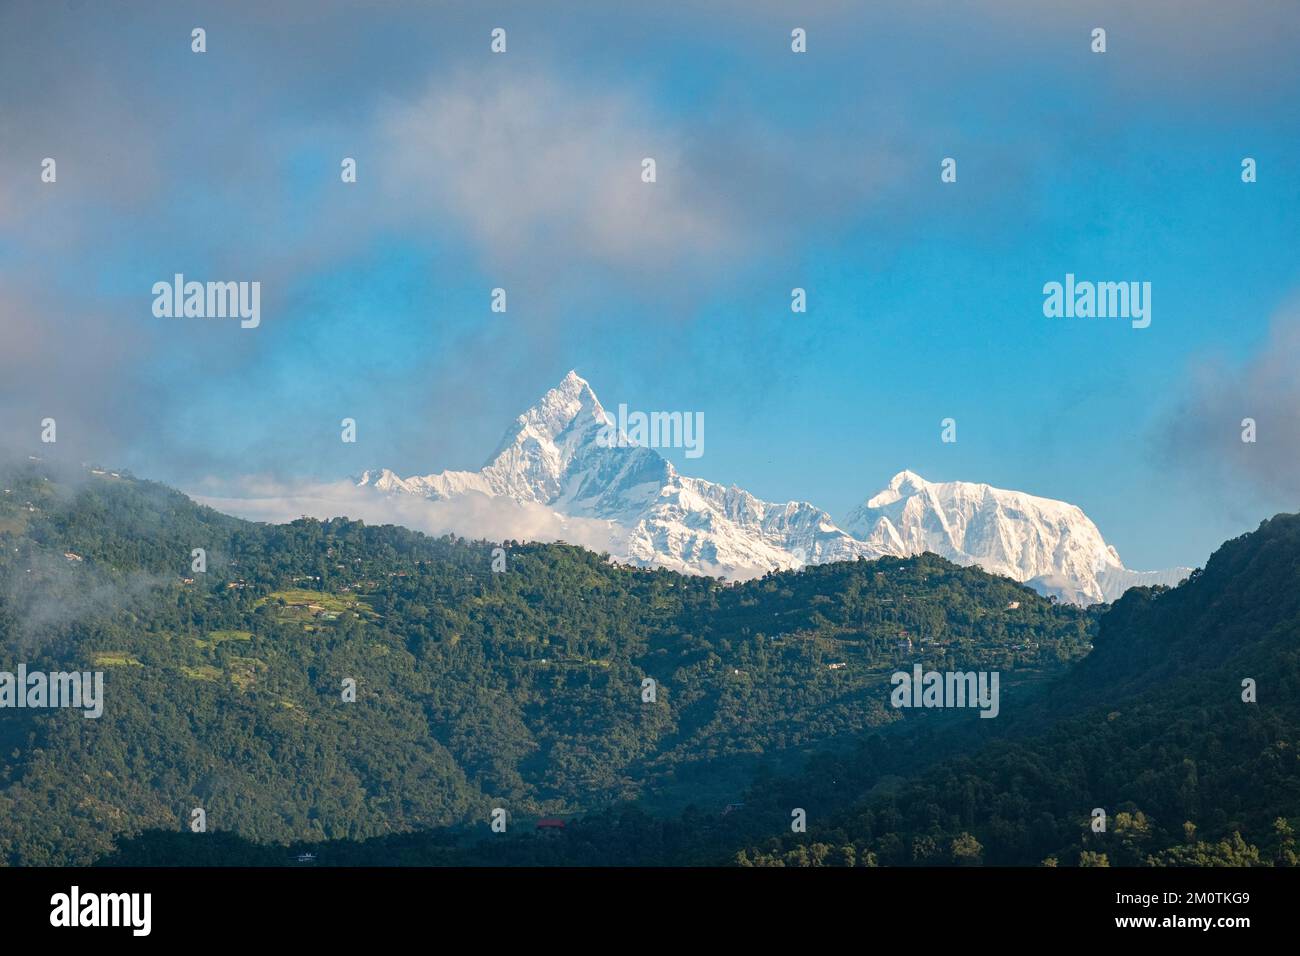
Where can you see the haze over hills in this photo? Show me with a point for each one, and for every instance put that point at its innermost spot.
(557, 454)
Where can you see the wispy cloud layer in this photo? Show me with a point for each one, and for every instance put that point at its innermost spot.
(472, 515)
(1204, 437)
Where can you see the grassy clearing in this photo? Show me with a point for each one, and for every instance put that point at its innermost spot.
(244, 671)
(325, 601)
(305, 606)
(113, 659)
(215, 638)
(202, 672)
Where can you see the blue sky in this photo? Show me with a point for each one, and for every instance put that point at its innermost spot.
(776, 170)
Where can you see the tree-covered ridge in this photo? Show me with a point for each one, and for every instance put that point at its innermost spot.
(475, 689)
(1151, 727)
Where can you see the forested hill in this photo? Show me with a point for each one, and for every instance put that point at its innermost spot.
(1241, 611)
(520, 688)
(1153, 727)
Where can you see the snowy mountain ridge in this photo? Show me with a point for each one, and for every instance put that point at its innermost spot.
(553, 455)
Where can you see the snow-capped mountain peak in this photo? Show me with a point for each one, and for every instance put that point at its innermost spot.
(903, 483)
(1049, 544)
(562, 417)
(539, 454)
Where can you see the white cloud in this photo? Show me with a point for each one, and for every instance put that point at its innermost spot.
(472, 515)
(528, 163)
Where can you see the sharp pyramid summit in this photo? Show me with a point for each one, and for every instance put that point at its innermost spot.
(552, 455)
(557, 455)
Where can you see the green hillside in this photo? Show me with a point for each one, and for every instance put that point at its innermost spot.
(1151, 727)
(475, 689)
